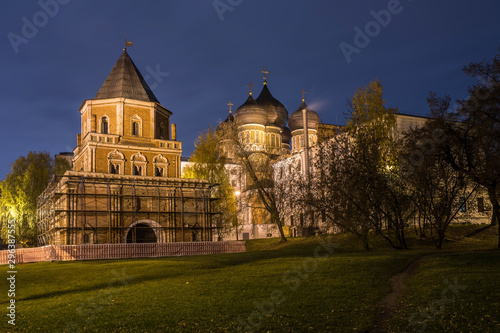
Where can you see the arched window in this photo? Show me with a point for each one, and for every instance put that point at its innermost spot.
(116, 162)
(160, 164)
(104, 125)
(139, 163)
(137, 170)
(136, 125)
(136, 128)
(248, 137)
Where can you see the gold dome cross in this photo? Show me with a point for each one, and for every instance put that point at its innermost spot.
(250, 86)
(265, 72)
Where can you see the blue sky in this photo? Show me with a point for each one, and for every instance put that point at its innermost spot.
(57, 53)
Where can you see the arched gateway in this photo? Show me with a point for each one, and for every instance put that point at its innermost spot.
(144, 231)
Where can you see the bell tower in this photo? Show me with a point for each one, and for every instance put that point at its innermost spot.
(125, 130)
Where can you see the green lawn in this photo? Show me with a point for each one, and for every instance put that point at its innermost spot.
(296, 287)
(455, 292)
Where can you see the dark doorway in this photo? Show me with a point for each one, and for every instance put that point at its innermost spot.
(141, 233)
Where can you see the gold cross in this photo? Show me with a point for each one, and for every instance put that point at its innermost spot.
(250, 86)
(265, 72)
(230, 105)
(303, 94)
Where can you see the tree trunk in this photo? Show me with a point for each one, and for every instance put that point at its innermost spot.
(366, 246)
(280, 228)
(439, 243)
(400, 235)
(495, 216)
(381, 233)
(494, 203)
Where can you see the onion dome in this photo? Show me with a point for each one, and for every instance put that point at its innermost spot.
(276, 112)
(229, 119)
(286, 135)
(251, 113)
(296, 120)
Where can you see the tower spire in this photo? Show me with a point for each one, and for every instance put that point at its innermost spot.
(126, 81)
(230, 104)
(265, 72)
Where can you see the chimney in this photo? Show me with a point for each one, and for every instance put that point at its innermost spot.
(174, 132)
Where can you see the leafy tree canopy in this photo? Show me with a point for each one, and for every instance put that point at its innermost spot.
(19, 192)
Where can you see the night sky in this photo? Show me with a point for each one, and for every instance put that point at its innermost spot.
(196, 58)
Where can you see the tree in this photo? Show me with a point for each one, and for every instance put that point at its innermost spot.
(209, 163)
(382, 196)
(370, 121)
(61, 165)
(355, 182)
(436, 187)
(259, 171)
(330, 190)
(20, 190)
(471, 133)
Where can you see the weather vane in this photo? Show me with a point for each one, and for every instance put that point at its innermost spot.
(265, 72)
(127, 44)
(303, 95)
(250, 86)
(230, 106)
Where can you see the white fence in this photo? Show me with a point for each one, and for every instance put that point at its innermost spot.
(120, 251)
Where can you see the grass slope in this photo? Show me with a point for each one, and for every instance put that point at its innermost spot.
(455, 292)
(299, 286)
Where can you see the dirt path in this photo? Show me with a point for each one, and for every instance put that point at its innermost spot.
(389, 304)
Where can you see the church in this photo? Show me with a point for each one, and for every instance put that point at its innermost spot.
(125, 185)
(264, 125)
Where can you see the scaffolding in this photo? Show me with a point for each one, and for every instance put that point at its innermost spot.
(90, 208)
